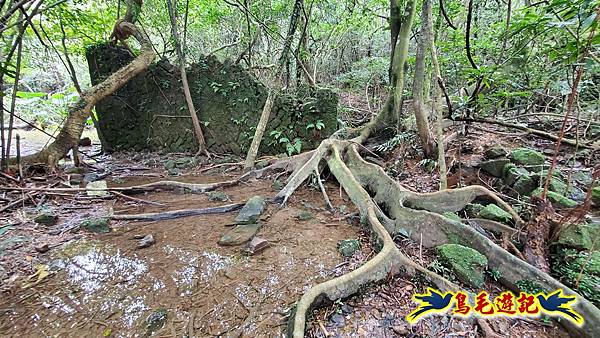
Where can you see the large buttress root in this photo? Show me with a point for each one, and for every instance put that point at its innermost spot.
(389, 209)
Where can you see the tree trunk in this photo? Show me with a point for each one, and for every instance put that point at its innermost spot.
(400, 55)
(69, 135)
(266, 113)
(186, 87)
(419, 79)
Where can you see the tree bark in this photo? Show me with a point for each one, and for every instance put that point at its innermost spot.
(425, 39)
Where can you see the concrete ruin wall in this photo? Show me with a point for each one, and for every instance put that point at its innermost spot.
(150, 111)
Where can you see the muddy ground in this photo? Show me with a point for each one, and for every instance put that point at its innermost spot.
(185, 284)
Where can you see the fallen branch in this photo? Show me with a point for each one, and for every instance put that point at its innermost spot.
(159, 216)
(590, 145)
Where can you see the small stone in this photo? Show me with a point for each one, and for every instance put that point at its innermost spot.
(97, 188)
(46, 218)
(75, 179)
(173, 172)
(495, 213)
(146, 241)
(527, 156)
(74, 170)
(90, 177)
(277, 185)
(468, 264)
(218, 196)
(97, 224)
(495, 152)
(42, 248)
(155, 321)
(251, 210)
(255, 246)
(241, 234)
(494, 167)
(348, 247)
(305, 215)
(400, 330)
(338, 320)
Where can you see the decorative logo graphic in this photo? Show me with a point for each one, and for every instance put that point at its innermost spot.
(506, 304)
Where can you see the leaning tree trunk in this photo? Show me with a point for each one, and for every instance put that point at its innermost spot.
(70, 133)
(419, 79)
(266, 113)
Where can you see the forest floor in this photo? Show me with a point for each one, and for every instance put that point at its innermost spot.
(62, 281)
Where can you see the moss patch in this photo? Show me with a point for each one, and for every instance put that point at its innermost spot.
(468, 264)
(495, 213)
(527, 156)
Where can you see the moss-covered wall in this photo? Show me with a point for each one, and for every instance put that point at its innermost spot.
(150, 112)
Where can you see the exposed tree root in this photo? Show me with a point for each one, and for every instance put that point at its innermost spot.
(160, 216)
(390, 209)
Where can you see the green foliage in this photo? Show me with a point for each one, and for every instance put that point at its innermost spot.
(579, 270)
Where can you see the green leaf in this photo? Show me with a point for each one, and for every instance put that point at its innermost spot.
(30, 95)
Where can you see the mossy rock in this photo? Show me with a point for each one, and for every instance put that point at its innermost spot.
(555, 198)
(527, 156)
(579, 236)
(558, 186)
(468, 264)
(495, 213)
(96, 224)
(473, 209)
(348, 247)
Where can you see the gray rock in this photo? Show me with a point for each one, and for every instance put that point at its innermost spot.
(97, 188)
(338, 320)
(218, 196)
(90, 177)
(494, 167)
(146, 241)
(524, 185)
(495, 152)
(513, 174)
(251, 211)
(241, 234)
(256, 245)
(155, 321)
(348, 247)
(305, 215)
